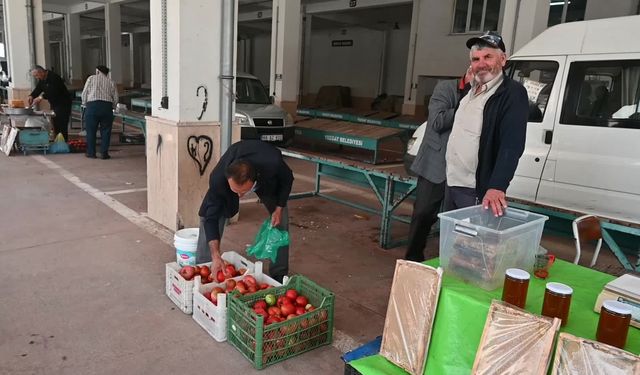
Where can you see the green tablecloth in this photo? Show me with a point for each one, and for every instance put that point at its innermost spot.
(463, 308)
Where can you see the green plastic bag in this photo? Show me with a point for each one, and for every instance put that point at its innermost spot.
(268, 241)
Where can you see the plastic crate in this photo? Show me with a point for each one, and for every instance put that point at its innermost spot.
(478, 247)
(213, 318)
(265, 345)
(180, 291)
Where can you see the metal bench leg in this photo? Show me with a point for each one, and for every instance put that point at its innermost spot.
(616, 250)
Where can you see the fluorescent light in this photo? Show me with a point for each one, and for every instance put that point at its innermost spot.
(559, 3)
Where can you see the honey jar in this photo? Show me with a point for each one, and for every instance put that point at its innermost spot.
(613, 325)
(516, 285)
(557, 300)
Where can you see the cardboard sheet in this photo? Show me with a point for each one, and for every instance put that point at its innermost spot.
(575, 355)
(410, 314)
(515, 341)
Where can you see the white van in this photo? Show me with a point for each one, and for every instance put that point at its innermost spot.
(583, 135)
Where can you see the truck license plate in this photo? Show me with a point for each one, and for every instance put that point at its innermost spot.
(271, 137)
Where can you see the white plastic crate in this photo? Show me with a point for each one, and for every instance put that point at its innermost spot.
(180, 291)
(213, 318)
(478, 247)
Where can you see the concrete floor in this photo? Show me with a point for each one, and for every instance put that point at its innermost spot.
(84, 282)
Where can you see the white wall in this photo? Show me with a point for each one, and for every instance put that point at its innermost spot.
(93, 54)
(604, 9)
(396, 60)
(357, 66)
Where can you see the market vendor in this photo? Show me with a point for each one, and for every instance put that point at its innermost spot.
(51, 86)
(247, 166)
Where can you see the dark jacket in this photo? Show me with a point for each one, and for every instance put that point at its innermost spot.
(430, 160)
(55, 91)
(502, 141)
(274, 180)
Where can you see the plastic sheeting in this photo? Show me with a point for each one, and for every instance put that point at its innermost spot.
(410, 314)
(515, 341)
(575, 355)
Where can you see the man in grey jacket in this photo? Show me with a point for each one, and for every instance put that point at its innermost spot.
(429, 164)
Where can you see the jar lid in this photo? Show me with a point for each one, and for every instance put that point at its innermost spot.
(616, 307)
(517, 273)
(560, 288)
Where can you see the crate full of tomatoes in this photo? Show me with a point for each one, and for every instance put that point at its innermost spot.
(210, 300)
(77, 145)
(179, 281)
(275, 324)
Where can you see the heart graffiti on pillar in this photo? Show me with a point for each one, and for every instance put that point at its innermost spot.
(200, 149)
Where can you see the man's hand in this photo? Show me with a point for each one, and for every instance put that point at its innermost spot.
(276, 217)
(217, 264)
(29, 100)
(495, 199)
(36, 100)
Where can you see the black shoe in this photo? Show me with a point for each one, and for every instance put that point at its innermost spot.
(90, 156)
(105, 156)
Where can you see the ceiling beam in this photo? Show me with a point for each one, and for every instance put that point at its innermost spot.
(338, 5)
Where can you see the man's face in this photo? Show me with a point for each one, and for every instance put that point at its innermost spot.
(487, 63)
(38, 74)
(240, 189)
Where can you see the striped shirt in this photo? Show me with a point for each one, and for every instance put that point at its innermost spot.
(100, 87)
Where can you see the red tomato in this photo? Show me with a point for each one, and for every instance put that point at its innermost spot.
(302, 301)
(292, 294)
(288, 309)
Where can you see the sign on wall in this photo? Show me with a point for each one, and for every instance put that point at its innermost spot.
(342, 43)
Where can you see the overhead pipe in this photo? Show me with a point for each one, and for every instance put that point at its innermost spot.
(226, 77)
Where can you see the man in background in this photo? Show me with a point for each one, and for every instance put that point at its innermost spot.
(51, 86)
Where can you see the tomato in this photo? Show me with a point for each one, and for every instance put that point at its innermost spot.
(231, 270)
(260, 304)
(250, 280)
(287, 309)
(300, 310)
(205, 271)
(292, 294)
(302, 301)
(273, 310)
(220, 276)
(270, 299)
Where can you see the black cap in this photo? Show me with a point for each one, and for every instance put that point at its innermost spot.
(489, 38)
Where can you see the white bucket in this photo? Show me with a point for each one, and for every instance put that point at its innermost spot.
(186, 244)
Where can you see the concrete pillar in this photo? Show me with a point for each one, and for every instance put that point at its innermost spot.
(114, 41)
(47, 48)
(74, 58)
(530, 19)
(19, 58)
(285, 53)
(181, 148)
(41, 44)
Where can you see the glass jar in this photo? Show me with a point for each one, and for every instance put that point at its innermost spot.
(557, 300)
(613, 325)
(516, 285)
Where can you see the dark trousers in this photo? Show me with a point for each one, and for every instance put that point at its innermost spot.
(98, 113)
(61, 120)
(429, 197)
(277, 269)
(459, 197)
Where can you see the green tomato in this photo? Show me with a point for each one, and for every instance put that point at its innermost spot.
(270, 299)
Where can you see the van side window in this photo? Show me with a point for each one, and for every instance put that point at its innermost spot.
(603, 93)
(537, 77)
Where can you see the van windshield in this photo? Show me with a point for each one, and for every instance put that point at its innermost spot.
(251, 91)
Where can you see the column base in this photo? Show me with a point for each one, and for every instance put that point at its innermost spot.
(180, 158)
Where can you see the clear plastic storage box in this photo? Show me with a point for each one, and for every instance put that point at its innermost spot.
(478, 247)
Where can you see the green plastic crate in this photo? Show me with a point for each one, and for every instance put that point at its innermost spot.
(265, 345)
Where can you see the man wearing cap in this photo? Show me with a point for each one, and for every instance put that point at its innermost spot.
(489, 130)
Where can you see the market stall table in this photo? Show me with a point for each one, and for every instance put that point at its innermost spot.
(463, 308)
